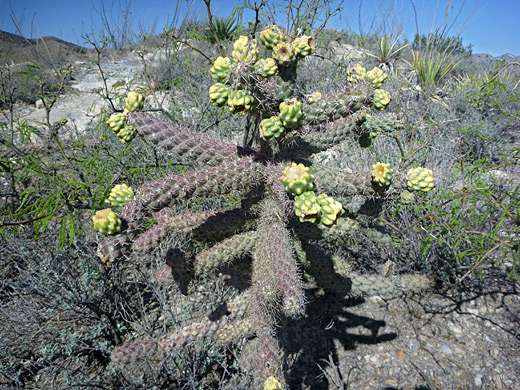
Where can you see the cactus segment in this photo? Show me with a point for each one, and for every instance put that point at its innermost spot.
(420, 179)
(271, 36)
(330, 209)
(117, 121)
(221, 69)
(266, 67)
(382, 174)
(375, 125)
(271, 128)
(283, 54)
(240, 101)
(106, 222)
(297, 179)
(218, 94)
(133, 351)
(331, 108)
(233, 175)
(306, 206)
(291, 113)
(134, 101)
(303, 46)
(194, 147)
(120, 195)
(245, 50)
(381, 99)
(271, 383)
(284, 90)
(225, 252)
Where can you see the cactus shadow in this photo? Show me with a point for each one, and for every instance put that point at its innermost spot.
(328, 325)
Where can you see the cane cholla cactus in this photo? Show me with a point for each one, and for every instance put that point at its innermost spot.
(279, 217)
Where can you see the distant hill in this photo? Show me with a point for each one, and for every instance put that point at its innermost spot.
(487, 62)
(46, 50)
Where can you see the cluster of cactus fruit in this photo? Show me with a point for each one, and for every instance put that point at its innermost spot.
(117, 121)
(288, 203)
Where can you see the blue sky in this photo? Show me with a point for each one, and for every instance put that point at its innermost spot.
(491, 26)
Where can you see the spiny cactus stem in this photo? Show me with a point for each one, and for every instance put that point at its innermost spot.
(195, 147)
(240, 174)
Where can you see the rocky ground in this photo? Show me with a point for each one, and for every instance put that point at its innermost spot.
(434, 341)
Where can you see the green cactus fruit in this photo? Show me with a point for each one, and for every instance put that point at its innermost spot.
(240, 101)
(221, 69)
(271, 128)
(330, 209)
(381, 99)
(420, 179)
(382, 174)
(134, 101)
(271, 383)
(218, 94)
(306, 206)
(117, 121)
(245, 50)
(271, 36)
(291, 112)
(297, 179)
(377, 77)
(106, 222)
(303, 46)
(356, 74)
(283, 54)
(266, 67)
(314, 97)
(120, 195)
(127, 134)
(407, 197)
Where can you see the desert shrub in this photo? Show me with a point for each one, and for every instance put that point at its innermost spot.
(441, 43)
(24, 83)
(59, 313)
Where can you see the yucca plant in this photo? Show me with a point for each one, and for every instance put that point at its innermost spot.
(386, 51)
(223, 29)
(432, 68)
(290, 209)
